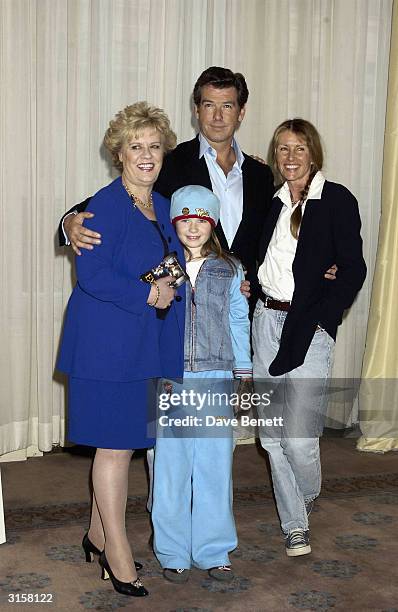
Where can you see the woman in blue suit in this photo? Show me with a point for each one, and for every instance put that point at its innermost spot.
(121, 333)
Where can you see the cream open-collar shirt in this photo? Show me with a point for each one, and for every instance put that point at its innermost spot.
(275, 273)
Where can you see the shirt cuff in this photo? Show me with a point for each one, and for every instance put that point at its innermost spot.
(243, 372)
(67, 241)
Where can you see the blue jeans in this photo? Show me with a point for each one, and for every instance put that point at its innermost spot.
(299, 399)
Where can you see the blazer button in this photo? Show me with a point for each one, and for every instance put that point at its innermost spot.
(169, 239)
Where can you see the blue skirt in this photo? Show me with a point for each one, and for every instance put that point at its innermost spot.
(112, 414)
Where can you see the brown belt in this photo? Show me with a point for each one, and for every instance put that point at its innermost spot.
(274, 304)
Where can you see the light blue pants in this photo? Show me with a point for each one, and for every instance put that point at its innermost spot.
(192, 491)
(300, 399)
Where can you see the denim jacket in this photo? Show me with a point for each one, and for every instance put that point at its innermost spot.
(217, 328)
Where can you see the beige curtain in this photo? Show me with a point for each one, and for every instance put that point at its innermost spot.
(66, 66)
(379, 389)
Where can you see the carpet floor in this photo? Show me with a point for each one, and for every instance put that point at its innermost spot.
(353, 566)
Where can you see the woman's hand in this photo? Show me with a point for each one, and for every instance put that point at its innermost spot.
(161, 294)
(79, 235)
(331, 273)
(245, 288)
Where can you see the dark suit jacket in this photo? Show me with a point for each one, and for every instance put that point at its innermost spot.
(329, 233)
(182, 166)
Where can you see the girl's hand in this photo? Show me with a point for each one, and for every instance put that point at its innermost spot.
(245, 390)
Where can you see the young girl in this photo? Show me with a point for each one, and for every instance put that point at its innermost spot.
(192, 497)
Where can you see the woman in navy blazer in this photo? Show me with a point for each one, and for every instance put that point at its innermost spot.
(121, 333)
(313, 223)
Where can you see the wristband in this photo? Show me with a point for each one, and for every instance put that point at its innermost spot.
(157, 294)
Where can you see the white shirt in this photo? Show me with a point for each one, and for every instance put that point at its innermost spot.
(275, 273)
(192, 268)
(229, 189)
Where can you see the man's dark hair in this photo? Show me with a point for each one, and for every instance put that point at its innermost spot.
(221, 78)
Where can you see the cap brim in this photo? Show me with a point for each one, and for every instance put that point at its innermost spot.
(209, 219)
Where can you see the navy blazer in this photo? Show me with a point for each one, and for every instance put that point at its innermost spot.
(329, 234)
(110, 332)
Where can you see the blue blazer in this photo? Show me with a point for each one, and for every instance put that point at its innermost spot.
(110, 332)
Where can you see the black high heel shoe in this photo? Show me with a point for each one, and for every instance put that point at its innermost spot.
(90, 550)
(135, 589)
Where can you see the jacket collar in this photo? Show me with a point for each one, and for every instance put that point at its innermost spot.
(314, 193)
(205, 147)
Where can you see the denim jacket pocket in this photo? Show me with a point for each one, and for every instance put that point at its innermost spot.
(216, 279)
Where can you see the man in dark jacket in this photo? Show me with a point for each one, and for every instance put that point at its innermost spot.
(214, 160)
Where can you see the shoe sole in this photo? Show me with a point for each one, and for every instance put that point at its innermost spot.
(297, 552)
(224, 577)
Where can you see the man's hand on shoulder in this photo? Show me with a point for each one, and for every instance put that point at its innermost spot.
(80, 237)
(259, 159)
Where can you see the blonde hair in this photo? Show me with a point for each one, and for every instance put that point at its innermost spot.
(131, 121)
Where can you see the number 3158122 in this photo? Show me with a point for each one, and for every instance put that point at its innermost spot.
(30, 597)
